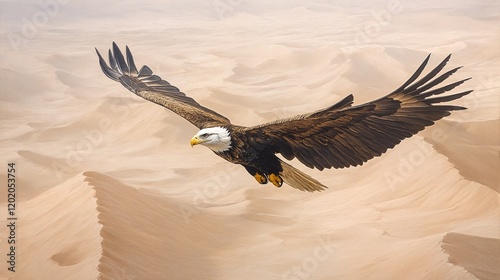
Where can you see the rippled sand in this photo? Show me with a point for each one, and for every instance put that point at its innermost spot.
(109, 187)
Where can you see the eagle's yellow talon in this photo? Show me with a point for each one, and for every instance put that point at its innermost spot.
(276, 180)
(260, 178)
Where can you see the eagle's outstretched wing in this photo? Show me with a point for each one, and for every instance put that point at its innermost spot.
(151, 87)
(344, 135)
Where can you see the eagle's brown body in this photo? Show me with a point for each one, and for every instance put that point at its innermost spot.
(339, 136)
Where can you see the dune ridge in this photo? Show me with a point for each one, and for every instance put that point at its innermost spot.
(109, 187)
(481, 258)
(65, 217)
(141, 233)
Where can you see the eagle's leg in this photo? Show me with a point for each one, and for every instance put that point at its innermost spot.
(275, 179)
(259, 177)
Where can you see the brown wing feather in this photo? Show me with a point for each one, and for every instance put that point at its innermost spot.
(151, 87)
(344, 135)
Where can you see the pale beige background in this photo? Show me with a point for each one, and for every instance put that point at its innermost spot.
(109, 186)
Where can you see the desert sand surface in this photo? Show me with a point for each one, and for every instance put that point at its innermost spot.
(108, 187)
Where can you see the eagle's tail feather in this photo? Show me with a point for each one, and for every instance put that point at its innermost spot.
(299, 180)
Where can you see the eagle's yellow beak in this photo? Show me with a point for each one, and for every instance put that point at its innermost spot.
(194, 141)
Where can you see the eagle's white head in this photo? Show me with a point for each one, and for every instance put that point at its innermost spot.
(218, 138)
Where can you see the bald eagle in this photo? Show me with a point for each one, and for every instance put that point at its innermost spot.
(339, 136)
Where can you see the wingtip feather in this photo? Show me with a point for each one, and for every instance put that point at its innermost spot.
(130, 61)
(120, 60)
(109, 72)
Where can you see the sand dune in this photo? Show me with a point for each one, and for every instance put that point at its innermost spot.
(476, 254)
(109, 188)
(65, 218)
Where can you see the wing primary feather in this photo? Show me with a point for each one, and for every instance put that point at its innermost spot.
(429, 75)
(431, 101)
(110, 73)
(120, 60)
(151, 79)
(442, 89)
(130, 62)
(112, 62)
(435, 82)
(414, 76)
(145, 72)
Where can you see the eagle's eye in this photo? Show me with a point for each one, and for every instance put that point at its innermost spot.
(204, 135)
